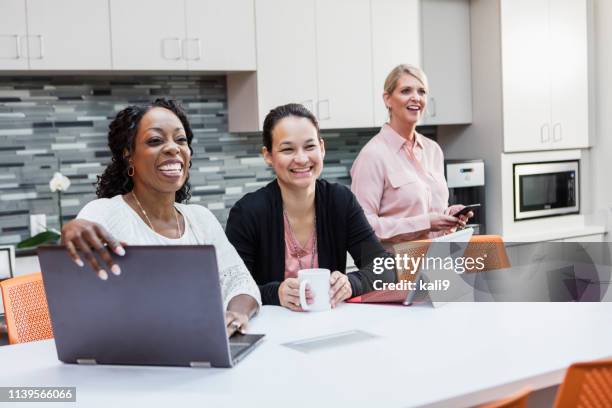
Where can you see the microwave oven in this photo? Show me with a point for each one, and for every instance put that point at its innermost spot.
(546, 189)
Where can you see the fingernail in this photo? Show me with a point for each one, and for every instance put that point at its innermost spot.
(116, 270)
(80, 263)
(120, 251)
(102, 274)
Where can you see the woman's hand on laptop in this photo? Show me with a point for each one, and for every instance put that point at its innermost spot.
(89, 237)
(235, 322)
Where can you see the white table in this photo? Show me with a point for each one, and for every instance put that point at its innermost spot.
(457, 355)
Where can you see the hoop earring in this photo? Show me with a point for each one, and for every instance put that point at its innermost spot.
(130, 172)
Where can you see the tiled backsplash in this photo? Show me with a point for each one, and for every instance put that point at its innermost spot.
(61, 123)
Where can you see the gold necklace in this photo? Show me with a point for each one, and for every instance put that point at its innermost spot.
(178, 224)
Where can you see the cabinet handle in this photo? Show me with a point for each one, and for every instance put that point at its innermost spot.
(186, 48)
(41, 44)
(178, 42)
(42, 48)
(431, 107)
(555, 133)
(547, 127)
(325, 102)
(18, 45)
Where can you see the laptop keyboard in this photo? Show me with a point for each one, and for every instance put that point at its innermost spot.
(236, 348)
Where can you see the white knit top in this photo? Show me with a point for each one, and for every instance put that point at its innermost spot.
(201, 228)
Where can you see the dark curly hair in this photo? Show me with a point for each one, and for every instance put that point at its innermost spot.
(280, 112)
(121, 136)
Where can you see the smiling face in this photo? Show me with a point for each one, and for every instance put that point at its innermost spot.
(161, 152)
(408, 100)
(297, 152)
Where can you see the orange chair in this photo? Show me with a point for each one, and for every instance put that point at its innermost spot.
(413, 249)
(490, 246)
(586, 385)
(25, 308)
(518, 400)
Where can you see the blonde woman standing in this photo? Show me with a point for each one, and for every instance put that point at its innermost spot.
(398, 177)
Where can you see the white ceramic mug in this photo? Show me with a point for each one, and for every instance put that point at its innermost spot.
(318, 281)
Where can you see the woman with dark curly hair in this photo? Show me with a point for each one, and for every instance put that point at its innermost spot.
(140, 202)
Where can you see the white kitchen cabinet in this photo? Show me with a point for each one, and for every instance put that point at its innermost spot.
(544, 74)
(324, 59)
(569, 74)
(396, 39)
(287, 63)
(43, 35)
(13, 35)
(220, 35)
(69, 34)
(148, 34)
(196, 35)
(344, 64)
(447, 61)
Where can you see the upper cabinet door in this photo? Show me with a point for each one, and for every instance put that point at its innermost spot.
(220, 35)
(526, 85)
(396, 39)
(69, 34)
(447, 61)
(148, 34)
(286, 54)
(13, 32)
(569, 74)
(344, 61)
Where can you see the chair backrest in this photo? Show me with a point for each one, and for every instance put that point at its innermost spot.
(492, 247)
(586, 385)
(413, 249)
(25, 308)
(518, 400)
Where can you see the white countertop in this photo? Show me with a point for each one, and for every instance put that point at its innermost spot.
(460, 354)
(551, 234)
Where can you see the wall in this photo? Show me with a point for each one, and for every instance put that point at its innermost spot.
(483, 138)
(61, 123)
(600, 155)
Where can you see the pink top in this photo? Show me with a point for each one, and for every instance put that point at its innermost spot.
(296, 254)
(399, 185)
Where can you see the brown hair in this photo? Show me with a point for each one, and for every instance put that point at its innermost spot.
(281, 112)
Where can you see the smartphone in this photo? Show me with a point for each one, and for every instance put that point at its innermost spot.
(466, 209)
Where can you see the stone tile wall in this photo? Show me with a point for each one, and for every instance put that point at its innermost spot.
(60, 123)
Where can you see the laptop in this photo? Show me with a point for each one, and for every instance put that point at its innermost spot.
(164, 309)
(447, 246)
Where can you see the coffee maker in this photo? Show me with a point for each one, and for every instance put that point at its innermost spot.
(466, 185)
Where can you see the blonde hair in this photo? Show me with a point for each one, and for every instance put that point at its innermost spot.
(397, 72)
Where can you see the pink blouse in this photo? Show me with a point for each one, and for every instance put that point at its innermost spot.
(398, 185)
(296, 254)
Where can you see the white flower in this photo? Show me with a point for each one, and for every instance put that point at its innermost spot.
(59, 182)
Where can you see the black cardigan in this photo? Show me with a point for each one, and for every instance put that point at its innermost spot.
(256, 229)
